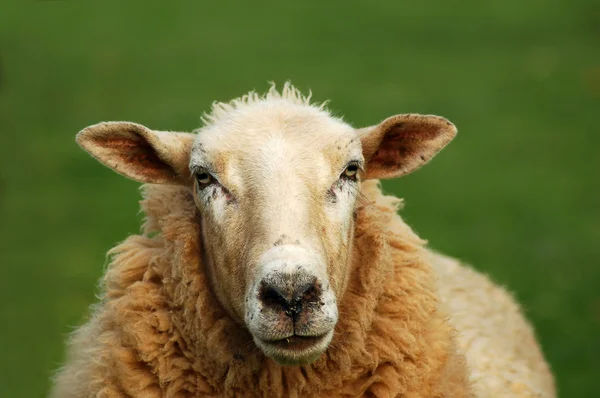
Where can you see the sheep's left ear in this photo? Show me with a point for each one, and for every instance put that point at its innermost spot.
(403, 143)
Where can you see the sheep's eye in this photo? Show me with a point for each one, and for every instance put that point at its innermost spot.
(351, 171)
(203, 178)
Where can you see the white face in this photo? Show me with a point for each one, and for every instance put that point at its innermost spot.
(277, 195)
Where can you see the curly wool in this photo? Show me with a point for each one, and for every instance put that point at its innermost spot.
(159, 331)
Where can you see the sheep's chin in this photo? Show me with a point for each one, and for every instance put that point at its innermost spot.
(295, 356)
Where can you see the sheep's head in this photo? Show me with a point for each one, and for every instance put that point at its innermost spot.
(275, 181)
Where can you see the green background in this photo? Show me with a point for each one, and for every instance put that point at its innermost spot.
(516, 194)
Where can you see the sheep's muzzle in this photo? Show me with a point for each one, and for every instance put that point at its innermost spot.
(291, 310)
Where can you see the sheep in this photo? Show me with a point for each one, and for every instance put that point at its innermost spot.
(271, 264)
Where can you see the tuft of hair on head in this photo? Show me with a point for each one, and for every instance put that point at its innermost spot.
(288, 93)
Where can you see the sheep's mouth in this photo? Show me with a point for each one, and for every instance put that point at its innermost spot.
(297, 343)
(296, 350)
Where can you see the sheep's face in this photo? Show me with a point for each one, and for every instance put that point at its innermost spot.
(276, 191)
(276, 185)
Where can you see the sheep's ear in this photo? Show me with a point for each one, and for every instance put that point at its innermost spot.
(403, 143)
(139, 153)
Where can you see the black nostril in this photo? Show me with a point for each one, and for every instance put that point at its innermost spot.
(308, 293)
(271, 296)
(274, 298)
(291, 300)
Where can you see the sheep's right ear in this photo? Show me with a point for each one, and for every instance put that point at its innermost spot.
(144, 155)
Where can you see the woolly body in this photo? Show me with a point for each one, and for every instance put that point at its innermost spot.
(170, 323)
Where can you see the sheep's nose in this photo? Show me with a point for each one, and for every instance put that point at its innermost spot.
(289, 294)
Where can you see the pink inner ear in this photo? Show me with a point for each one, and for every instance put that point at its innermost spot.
(408, 142)
(402, 143)
(136, 156)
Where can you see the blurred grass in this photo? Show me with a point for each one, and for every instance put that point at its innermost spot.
(517, 194)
